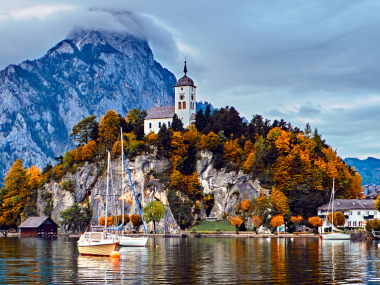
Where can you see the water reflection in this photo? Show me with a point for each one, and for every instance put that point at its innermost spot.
(193, 261)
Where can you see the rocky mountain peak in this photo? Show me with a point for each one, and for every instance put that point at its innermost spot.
(88, 73)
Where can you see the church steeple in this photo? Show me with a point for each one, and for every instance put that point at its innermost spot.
(185, 69)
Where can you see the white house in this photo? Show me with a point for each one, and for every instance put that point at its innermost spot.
(185, 107)
(357, 212)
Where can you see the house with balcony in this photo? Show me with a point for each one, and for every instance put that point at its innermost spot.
(357, 212)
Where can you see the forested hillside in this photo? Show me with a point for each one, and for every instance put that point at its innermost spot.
(296, 166)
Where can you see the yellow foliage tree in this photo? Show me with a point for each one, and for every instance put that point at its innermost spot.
(257, 221)
(279, 201)
(102, 221)
(209, 142)
(339, 219)
(117, 147)
(15, 197)
(109, 128)
(233, 151)
(151, 138)
(89, 150)
(245, 204)
(248, 148)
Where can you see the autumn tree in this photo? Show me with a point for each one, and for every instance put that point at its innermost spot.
(296, 219)
(88, 151)
(245, 204)
(109, 128)
(279, 202)
(339, 219)
(102, 220)
(136, 221)
(277, 221)
(257, 221)
(15, 195)
(316, 222)
(135, 116)
(154, 212)
(236, 221)
(119, 219)
(85, 130)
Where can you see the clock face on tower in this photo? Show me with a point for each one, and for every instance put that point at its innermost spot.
(181, 96)
(192, 97)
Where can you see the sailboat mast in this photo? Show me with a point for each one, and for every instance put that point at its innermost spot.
(332, 206)
(122, 173)
(108, 174)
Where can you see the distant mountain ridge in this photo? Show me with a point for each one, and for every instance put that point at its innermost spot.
(368, 168)
(88, 73)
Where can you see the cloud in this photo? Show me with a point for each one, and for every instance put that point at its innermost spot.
(39, 11)
(303, 61)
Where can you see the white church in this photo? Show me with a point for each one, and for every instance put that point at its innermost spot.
(185, 107)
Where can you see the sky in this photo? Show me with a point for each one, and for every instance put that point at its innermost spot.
(314, 62)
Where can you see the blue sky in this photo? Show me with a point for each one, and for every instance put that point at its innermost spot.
(302, 61)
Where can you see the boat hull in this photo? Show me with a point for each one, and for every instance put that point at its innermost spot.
(133, 241)
(336, 236)
(99, 249)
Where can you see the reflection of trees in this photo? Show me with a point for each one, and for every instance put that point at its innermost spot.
(277, 259)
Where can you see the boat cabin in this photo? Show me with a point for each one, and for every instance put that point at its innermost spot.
(38, 226)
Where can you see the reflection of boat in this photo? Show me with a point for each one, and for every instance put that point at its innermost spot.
(96, 243)
(336, 235)
(125, 240)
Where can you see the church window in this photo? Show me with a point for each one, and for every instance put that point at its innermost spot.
(181, 88)
(192, 97)
(181, 97)
(179, 105)
(184, 105)
(150, 125)
(169, 124)
(159, 124)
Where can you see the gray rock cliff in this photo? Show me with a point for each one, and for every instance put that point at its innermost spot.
(90, 181)
(88, 73)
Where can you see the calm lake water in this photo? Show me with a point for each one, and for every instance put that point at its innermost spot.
(193, 261)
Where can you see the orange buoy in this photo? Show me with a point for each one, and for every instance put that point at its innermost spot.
(115, 254)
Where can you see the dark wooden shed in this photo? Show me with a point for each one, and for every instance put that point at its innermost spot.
(38, 226)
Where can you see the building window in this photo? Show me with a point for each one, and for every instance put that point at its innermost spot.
(350, 212)
(375, 213)
(367, 213)
(358, 213)
(150, 125)
(192, 97)
(179, 105)
(181, 88)
(360, 224)
(349, 224)
(169, 124)
(159, 124)
(184, 105)
(354, 224)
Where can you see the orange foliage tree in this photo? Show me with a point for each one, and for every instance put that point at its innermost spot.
(109, 128)
(89, 150)
(136, 221)
(151, 138)
(245, 204)
(296, 219)
(233, 151)
(102, 221)
(17, 193)
(277, 221)
(257, 221)
(316, 222)
(236, 221)
(209, 142)
(339, 219)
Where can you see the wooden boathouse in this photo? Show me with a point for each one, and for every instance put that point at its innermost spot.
(38, 226)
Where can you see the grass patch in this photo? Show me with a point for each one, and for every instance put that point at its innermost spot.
(223, 225)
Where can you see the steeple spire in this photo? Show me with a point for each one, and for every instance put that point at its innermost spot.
(185, 69)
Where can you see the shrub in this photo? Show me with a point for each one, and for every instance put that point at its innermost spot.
(373, 224)
(68, 185)
(194, 230)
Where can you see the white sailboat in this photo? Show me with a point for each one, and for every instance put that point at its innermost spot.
(337, 235)
(126, 240)
(99, 243)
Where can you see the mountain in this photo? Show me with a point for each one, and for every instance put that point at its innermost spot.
(368, 168)
(88, 73)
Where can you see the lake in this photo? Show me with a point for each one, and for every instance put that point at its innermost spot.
(193, 261)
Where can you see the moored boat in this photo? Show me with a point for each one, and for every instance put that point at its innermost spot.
(95, 243)
(132, 241)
